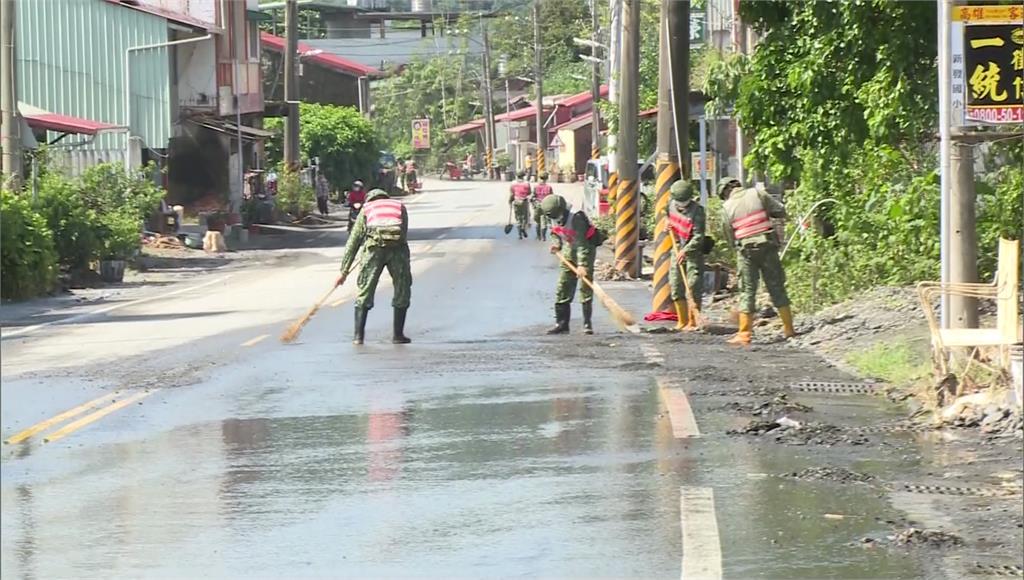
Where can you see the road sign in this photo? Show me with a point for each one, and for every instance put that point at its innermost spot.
(421, 134)
(698, 28)
(987, 68)
(695, 164)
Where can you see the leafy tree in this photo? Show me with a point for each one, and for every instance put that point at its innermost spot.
(28, 261)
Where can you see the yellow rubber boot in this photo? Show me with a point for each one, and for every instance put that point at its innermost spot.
(745, 333)
(682, 314)
(786, 314)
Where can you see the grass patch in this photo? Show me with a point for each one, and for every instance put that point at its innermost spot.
(897, 363)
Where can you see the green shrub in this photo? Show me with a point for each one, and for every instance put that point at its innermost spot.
(75, 226)
(107, 186)
(294, 197)
(27, 257)
(120, 234)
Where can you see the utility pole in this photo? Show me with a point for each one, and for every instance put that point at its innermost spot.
(614, 54)
(595, 86)
(945, 58)
(490, 135)
(10, 130)
(627, 208)
(542, 136)
(291, 82)
(679, 61)
(668, 172)
(963, 242)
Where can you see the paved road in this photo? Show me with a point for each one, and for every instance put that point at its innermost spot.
(205, 448)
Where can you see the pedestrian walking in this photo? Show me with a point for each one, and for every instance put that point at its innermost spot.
(322, 191)
(519, 198)
(746, 221)
(687, 220)
(540, 192)
(578, 241)
(382, 231)
(528, 165)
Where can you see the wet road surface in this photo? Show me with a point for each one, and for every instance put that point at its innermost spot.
(483, 449)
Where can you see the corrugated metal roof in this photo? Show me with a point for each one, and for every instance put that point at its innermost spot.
(325, 59)
(71, 62)
(398, 48)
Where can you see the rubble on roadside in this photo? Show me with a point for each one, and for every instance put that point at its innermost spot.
(789, 432)
(604, 272)
(924, 537)
(778, 405)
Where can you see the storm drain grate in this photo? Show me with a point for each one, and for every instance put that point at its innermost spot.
(1012, 570)
(961, 491)
(892, 429)
(837, 388)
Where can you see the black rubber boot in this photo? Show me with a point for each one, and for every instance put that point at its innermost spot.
(360, 332)
(588, 312)
(399, 336)
(562, 312)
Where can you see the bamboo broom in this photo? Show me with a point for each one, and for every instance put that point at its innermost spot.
(622, 318)
(293, 331)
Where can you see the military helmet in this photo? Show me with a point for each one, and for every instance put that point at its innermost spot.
(544, 175)
(681, 190)
(357, 183)
(520, 174)
(553, 206)
(725, 186)
(376, 194)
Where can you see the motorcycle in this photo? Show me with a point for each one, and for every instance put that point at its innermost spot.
(353, 213)
(412, 184)
(453, 171)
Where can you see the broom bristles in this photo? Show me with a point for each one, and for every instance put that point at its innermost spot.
(293, 331)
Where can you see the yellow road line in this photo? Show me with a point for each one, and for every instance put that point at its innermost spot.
(42, 425)
(256, 340)
(95, 416)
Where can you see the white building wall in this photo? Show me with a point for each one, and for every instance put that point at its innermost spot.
(203, 10)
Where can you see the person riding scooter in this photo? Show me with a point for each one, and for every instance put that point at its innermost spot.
(411, 183)
(355, 198)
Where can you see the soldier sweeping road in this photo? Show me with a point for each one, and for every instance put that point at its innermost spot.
(519, 199)
(578, 240)
(540, 192)
(687, 220)
(747, 226)
(382, 230)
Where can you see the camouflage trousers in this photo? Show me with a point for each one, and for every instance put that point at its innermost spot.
(540, 219)
(567, 280)
(758, 261)
(396, 260)
(694, 276)
(522, 210)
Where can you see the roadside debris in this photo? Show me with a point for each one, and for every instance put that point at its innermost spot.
(607, 273)
(778, 405)
(929, 538)
(789, 432)
(835, 474)
(987, 410)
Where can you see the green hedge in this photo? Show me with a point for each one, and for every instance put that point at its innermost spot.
(28, 261)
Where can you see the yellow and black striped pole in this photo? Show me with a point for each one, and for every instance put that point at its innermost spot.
(613, 189)
(489, 163)
(541, 161)
(627, 228)
(595, 151)
(668, 173)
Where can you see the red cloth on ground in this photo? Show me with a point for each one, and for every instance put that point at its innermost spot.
(663, 316)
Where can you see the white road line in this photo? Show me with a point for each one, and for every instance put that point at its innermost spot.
(702, 549)
(256, 340)
(651, 353)
(680, 414)
(104, 310)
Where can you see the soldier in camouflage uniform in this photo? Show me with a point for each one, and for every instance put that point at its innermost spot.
(382, 230)
(519, 198)
(578, 241)
(746, 221)
(540, 192)
(687, 220)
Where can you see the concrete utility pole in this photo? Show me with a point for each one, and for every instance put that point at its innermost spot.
(614, 54)
(627, 208)
(291, 85)
(679, 61)
(963, 242)
(668, 172)
(595, 85)
(538, 72)
(490, 135)
(10, 133)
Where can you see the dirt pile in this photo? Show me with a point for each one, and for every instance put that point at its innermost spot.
(605, 272)
(779, 405)
(880, 311)
(789, 432)
(928, 538)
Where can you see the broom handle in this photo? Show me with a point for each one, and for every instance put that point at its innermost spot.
(593, 285)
